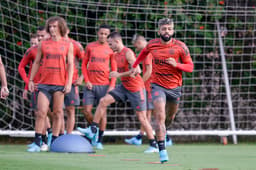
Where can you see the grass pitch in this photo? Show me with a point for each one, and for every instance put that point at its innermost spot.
(127, 157)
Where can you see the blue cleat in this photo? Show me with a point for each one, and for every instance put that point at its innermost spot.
(95, 138)
(168, 142)
(49, 139)
(163, 156)
(89, 134)
(151, 150)
(133, 141)
(31, 145)
(34, 148)
(99, 146)
(86, 131)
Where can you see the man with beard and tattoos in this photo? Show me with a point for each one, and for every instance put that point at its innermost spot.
(170, 57)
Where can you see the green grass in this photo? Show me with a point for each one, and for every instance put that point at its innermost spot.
(126, 157)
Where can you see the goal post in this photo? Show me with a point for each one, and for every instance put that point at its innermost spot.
(204, 108)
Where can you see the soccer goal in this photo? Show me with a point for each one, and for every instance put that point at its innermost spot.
(218, 97)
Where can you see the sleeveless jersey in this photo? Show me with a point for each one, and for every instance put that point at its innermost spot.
(53, 69)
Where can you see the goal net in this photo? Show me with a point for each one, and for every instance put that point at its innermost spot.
(204, 106)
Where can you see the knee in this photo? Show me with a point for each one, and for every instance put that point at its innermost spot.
(41, 114)
(160, 119)
(58, 113)
(142, 117)
(87, 111)
(103, 102)
(70, 111)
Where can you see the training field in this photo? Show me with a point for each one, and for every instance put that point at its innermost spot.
(126, 157)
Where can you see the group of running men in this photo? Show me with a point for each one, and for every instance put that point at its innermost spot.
(54, 78)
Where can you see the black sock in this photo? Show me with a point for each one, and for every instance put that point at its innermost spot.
(44, 139)
(139, 136)
(49, 130)
(152, 142)
(161, 145)
(53, 138)
(167, 138)
(94, 127)
(101, 132)
(38, 138)
(61, 134)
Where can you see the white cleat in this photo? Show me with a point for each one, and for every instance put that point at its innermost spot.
(44, 148)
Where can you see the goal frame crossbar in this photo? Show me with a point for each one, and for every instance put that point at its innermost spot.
(23, 133)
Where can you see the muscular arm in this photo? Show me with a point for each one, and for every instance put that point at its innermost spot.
(187, 66)
(84, 65)
(131, 59)
(2, 74)
(143, 54)
(70, 59)
(148, 65)
(24, 61)
(187, 63)
(4, 90)
(113, 68)
(36, 63)
(147, 73)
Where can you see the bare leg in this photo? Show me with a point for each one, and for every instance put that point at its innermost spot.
(70, 118)
(88, 113)
(145, 123)
(102, 107)
(159, 112)
(58, 98)
(43, 105)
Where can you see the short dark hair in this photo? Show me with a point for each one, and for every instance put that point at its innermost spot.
(137, 37)
(33, 35)
(165, 21)
(62, 24)
(115, 35)
(105, 26)
(40, 28)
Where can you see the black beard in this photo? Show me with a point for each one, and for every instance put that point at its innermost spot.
(164, 38)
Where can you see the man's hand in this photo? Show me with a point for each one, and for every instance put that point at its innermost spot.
(4, 92)
(31, 86)
(88, 85)
(25, 95)
(67, 89)
(135, 71)
(171, 61)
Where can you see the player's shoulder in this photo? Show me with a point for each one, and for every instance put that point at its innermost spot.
(182, 46)
(76, 44)
(179, 43)
(154, 41)
(127, 49)
(31, 49)
(67, 40)
(92, 44)
(46, 41)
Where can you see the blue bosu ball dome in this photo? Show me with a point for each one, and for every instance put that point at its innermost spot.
(72, 144)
